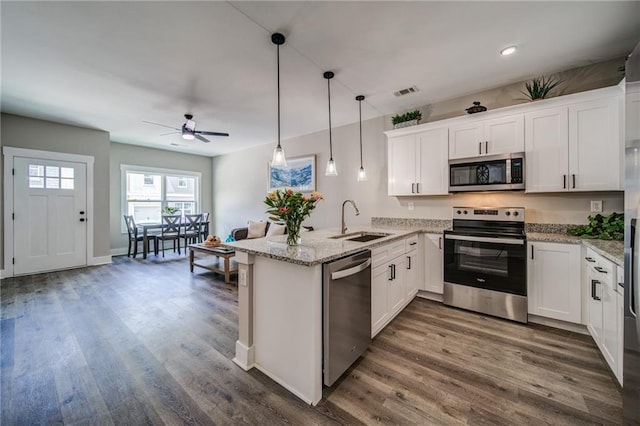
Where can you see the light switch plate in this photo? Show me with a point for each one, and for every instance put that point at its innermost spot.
(596, 206)
(410, 205)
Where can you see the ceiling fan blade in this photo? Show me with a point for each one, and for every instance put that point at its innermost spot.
(202, 132)
(158, 124)
(170, 133)
(200, 138)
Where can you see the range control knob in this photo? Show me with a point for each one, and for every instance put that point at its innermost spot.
(508, 213)
(515, 213)
(459, 212)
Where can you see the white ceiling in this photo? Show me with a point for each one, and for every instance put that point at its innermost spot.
(111, 65)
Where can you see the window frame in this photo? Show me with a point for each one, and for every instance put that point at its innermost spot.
(163, 172)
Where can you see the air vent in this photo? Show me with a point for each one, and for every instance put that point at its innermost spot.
(406, 91)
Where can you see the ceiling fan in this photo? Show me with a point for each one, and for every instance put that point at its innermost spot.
(189, 131)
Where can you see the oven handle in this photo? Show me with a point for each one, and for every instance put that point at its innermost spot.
(485, 239)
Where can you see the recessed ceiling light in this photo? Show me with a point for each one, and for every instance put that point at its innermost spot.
(508, 50)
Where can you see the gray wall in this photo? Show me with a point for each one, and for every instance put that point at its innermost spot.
(148, 157)
(240, 179)
(23, 132)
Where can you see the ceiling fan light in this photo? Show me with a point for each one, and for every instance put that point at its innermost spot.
(331, 169)
(279, 159)
(508, 50)
(188, 136)
(362, 175)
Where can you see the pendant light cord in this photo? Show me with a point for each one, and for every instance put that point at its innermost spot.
(278, 66)
(330, 142)
(360, 111)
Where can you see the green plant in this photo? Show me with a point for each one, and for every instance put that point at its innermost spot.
(539, 88)
(602, 227)
(170, 210)
(407, 116)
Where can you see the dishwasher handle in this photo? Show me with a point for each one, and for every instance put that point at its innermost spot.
(351, 271)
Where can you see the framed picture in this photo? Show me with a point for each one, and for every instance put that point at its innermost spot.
(299, 175)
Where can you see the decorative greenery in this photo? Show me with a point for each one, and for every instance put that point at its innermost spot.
(539, 88)
(170, 210)
(407, 116)
(601, 227)
(291, 208)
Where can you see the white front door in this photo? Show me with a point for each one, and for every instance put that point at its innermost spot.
(50, 208)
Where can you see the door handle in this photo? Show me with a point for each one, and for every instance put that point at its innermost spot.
(573, 176)
(633, 271)
(408, 262)
(82, 212)
(564, 181)
(531, 251)
(351, 271)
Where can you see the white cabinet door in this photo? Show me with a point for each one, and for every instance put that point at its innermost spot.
(466, 140)
(433, 170)
(397, 291)
(610, 326)
(402, 165)
(413, 273)
(594, 305)
(595, 148)
(554, 281)
(546, 150)
(504, 135)
(433, 265)
(380, 276)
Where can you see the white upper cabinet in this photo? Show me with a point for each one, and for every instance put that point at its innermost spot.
(418, 163)
(546, 154)
(595, 148)
(574, 148)
(494, 136)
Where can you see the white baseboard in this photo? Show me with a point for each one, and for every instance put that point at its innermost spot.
(2, 274)
(101, 260)
(122, 251)
(563, 325)
(436, 297)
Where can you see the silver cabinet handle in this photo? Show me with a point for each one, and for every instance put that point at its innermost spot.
(351, 271)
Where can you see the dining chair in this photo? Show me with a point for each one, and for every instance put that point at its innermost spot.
(192, 229)
(134, 238)
(170, 231)
(204, 226)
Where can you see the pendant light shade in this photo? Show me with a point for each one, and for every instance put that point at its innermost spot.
(279, 158)
(331, 169)
(362, 174)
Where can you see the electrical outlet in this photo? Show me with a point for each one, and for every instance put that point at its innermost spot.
(410, 205)
(596, 206)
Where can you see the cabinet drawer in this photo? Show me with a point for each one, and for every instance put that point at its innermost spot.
(602, 268)
(384, 254)
(411, 243)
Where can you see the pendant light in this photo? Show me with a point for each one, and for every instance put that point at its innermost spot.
(331, 169)
(278, 153)
(362, 174)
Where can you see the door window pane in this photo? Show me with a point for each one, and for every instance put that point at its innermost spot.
(36, 182)
(66, 183)
(36, 170)
(66, 172)
(53, 183)
(53, 171)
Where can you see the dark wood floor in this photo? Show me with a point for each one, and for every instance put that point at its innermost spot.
(145, 342)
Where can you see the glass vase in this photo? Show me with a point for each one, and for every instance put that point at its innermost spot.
(293, 233)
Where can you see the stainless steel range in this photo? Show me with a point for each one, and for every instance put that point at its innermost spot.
(485, 262)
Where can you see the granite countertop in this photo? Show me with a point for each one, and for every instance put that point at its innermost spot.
(317, 247)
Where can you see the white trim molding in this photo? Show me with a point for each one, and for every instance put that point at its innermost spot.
(9, 154)
(100, 260)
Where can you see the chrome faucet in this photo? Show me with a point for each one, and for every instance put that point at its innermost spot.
(343, 230)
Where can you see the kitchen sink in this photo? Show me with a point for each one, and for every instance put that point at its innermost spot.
(361, 237)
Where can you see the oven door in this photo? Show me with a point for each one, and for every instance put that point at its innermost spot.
(491, 263)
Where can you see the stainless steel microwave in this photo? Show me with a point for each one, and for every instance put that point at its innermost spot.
(503, 172)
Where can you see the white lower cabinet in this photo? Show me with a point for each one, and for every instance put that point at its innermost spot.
(433, 264)
(553, 284)
(604, 319)
(395, 280)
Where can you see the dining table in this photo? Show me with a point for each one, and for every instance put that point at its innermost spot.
(146, 227)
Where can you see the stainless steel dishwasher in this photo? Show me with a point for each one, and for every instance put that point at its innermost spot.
(346, 297)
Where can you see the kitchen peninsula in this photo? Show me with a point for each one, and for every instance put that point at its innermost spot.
(280, 304)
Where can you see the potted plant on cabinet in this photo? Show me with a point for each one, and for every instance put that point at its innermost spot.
(539, 88)
(407, 119)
